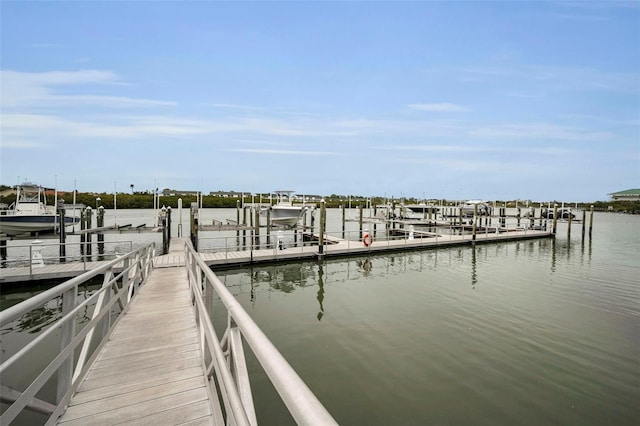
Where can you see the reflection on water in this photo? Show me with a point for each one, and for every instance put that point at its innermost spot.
(287, 277)
(530, 332)
(320, 293)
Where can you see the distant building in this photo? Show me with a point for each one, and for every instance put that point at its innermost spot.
(226, 194)
(628, 195)
(308, 197)
(173, 192)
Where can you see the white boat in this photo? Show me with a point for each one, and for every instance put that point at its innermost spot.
(30, 214)
(422, 208)
(468, 208)
(284, 213)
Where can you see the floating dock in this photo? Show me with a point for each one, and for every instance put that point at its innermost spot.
(333, 247)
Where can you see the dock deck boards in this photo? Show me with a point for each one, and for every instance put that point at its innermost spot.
(150, 371)
(341, 247)
(337, 247)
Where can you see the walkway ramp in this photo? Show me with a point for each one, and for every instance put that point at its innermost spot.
(150, 371)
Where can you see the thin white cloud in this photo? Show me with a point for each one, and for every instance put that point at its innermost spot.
(546, 78)
(280, 152)
(18, 144)
(438, 107)
(237, 106)
(472, 149)
(37, 90)
(544, 131)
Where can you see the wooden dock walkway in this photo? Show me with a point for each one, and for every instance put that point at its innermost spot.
(150, 371)
(48, 271)
(342, 247)
(335, 247)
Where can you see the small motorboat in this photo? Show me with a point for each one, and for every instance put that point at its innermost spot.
(30, 214)
(284, 213)
(563, 213)
(469, 208)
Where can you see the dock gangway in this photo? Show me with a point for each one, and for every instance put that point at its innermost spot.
(138, 290)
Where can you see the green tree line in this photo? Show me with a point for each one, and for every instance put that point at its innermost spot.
(141, 200)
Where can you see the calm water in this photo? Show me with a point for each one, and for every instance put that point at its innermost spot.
(534, 332)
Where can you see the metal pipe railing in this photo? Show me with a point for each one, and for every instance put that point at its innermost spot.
(297, 397)
(134, 270)
(26, 252)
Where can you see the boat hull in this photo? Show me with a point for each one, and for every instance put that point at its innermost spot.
(287, 216)
(422, 208)
(24, 224)
(483, 210)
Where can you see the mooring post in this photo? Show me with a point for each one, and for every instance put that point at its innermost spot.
(83, 226)
(475, 220)
(244, 226)
(584, 222)
(100, 224)
(62, 234)
(392, 216)
(545, 228)
(3, 249)
(257, 226)
(304, 223)
(179, 217)
(518, 215)
(89, 218)
(163, 221)
(321, 239)
(570, 218)
(193, 219)
(555, 218)
(360, 219)
(591, 222)
(343, 220)
(168, 228)
(237, 219)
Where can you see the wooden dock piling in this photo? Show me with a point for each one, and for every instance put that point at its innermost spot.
(193, 219)
(62, 235)
(100, 224)
(360, 219)
(89, 219)
(322, 225)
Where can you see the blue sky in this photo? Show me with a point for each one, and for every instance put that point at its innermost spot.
(494, 100)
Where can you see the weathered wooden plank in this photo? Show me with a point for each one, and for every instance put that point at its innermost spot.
(198, 413)
(146, 329)
(91, 408)
(85, 394)
(192, 351)
(124, 374)
(127, 348)
(142, 409)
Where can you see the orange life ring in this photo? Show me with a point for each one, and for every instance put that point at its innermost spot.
(367, 239)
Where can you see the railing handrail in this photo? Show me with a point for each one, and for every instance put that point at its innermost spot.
(70, 371)
(296, 395)
(25, 306)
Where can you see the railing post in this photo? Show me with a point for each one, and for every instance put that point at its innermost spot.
(67, 333)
